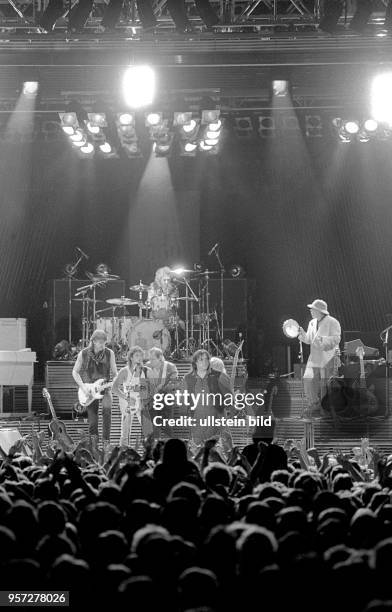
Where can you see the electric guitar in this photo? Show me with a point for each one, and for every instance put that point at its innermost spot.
(94, 392)
(57, 428)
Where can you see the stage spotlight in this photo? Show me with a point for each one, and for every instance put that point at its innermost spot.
(79, 143)
(188, 148)
(127, 134)
(210, 116)
(343, 134)
(87, 149)
(381, 98)
(97, 120)
(332, 10)
(280, 89)
(105, 147)
(313, 126)
(361, 16)
(153, 119)
(30, 88)
(215, 126)
(267, 127)
(69, 122)
(189, 127)
(211, 142)
(126, 118)
(77, 136)
(203, 146)
(370, 125)
(236, 271)
(181, 119)
(351, 127)
(93, 129)
(139, 86)
(243, 128)
(163, 144)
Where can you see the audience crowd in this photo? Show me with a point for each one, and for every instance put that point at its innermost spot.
(265, 528)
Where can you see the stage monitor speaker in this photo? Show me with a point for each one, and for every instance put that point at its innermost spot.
(61, 289)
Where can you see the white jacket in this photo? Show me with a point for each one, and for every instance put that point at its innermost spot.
(323, 341)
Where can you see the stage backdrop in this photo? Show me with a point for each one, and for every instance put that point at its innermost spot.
(306, 219)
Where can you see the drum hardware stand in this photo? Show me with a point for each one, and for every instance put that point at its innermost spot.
(222, 272)
(193, 298)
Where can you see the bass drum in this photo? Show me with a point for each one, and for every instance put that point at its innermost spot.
(148, 333)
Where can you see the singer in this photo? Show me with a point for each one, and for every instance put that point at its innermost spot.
(132, 387)
(323, 335)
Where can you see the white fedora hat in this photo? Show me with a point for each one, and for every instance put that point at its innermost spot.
(319, 305)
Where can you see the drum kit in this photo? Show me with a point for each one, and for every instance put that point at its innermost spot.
(178, 322)
(177, 316)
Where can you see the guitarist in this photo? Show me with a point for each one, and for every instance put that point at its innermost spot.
(94, 362)
(132, 385)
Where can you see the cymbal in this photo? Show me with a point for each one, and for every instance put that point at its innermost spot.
(189, 299)
(205, 272)
(101, 278)
(86, 299)
(122, 302)
(139, 287)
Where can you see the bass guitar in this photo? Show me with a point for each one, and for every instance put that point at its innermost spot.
(94, 392)
(57, 428)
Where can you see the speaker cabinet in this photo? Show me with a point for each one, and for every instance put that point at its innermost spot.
(62, 290)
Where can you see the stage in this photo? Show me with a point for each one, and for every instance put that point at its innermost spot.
(287, 407)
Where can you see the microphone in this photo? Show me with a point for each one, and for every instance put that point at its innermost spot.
(210, 252)
(82, 253)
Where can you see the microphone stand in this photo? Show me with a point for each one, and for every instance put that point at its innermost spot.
(222, 271)
(70, 273)
(385, 342)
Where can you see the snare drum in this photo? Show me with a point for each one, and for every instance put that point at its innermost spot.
(148, 333)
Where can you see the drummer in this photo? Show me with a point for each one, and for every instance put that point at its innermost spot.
(162, 294)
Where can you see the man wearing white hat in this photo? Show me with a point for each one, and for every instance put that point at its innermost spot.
(323, 335)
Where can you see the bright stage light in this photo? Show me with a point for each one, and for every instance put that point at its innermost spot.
(189, 147)
(93, 129)
(212, 135)
(381, 97)
(351, 127)
(179, 270)
(69, 122)
(126, 118)
(182, 118)
(204, 146)
(79, 143)
(211, 142)
(105, 147)
(78, 136)
(153, 119)
(30, 88)
(215, 126)
(189, 127)
(280, 88)
(139, 86)
(87, 148)
(370, 125)
(210, 116)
